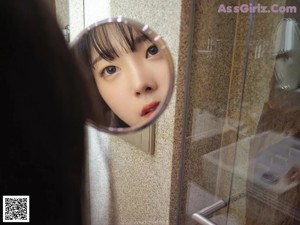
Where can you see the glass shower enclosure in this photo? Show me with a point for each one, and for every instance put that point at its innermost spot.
(241, 161)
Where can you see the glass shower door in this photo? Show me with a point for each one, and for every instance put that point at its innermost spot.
(267, 156)
(241, 161)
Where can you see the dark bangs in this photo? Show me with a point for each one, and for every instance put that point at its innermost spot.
(112, 39)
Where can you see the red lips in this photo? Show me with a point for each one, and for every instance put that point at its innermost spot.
(148, 110)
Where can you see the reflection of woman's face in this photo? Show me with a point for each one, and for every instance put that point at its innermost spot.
(134, 84)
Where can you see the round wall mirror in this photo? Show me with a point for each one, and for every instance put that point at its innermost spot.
(287, 54)
(130, 74)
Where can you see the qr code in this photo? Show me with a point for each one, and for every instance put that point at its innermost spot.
(16, 208)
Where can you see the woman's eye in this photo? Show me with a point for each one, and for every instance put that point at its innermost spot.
(109, 70)
(151, 51)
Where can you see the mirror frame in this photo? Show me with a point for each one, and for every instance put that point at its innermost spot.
(161, 44)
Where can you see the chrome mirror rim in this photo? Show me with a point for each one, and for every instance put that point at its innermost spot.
(158, 40)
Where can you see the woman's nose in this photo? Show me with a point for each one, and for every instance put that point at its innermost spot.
(144, 88)
(143, 81)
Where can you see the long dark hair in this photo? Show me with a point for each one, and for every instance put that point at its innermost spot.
(99, 38)
(43, 123)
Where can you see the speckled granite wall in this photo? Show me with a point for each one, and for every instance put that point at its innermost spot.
(76, 17)
(142, 182)
(62, 12)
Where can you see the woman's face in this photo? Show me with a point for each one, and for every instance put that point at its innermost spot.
(134, 84)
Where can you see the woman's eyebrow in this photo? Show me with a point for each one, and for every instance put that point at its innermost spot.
(137, 40)
(140, 39)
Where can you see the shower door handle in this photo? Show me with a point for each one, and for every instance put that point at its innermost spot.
(202, 220)
(200, 216)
